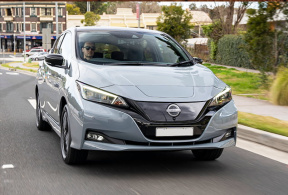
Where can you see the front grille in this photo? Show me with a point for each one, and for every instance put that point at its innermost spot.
(149, 129)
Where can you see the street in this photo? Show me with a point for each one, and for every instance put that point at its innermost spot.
(9, 57)
(31, 161)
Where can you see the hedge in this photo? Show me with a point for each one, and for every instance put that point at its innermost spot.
(231, 52)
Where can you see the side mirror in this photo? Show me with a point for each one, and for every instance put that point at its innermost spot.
(198, 60)
(54, 60)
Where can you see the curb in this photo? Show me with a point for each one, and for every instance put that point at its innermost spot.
(272, 140)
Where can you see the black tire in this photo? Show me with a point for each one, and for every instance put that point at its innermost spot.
(69, 155)
(40, 123)
(207, 154)
(36, 59)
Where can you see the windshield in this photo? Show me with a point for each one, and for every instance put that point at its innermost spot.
(128, 47)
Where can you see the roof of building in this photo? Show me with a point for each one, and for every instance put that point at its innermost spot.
(200, 17)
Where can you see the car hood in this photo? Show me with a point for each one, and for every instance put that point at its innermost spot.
(154, 83)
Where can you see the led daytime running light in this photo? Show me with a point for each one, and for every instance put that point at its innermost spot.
(98, 95)
(222, 98)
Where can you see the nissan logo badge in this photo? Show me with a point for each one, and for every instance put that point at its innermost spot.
(173, 110)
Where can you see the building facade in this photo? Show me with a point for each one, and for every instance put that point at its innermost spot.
(124, 17)
(38, 15)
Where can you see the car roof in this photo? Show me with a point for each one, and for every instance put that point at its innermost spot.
(94, 28)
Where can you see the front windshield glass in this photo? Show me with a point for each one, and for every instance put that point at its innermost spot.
(128, 47)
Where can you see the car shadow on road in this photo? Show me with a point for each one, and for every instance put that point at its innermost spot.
(142, 163)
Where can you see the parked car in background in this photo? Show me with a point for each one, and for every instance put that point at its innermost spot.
(121, 89)
(38, 56)
(27, 50)
(33, 51)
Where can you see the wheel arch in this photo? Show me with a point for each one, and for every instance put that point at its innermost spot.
(36, 91)
(63, 102)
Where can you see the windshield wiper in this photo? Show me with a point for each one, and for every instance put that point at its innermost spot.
(126, 63)
(137, 64)
(182, 63)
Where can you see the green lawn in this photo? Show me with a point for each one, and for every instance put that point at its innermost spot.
(32, 64)
(266, 123)
(242, 83)
(26, 69)
(249, 84)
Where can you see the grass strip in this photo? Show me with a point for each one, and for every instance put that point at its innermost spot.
(246, 83)
(32, 64)
(8, 66)
(265, 123)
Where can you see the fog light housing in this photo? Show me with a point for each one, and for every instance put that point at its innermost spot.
(228, 134)
(95, 136)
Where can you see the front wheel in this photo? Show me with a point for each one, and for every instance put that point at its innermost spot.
(69, 155)
(207, 154)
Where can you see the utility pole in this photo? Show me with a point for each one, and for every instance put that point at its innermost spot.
(14, 45)
(56, 15)
(138, 13)
(88, 6)
(24, 46)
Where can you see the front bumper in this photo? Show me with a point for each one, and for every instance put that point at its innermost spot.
(121, 126)
(90, 145)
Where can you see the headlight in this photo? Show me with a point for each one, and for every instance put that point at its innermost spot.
(97, 95)
(222, 98)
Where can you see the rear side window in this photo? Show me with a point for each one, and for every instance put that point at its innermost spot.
(66, 46)
(57, 44)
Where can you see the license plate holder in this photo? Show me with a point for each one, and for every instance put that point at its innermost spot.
(174, 131)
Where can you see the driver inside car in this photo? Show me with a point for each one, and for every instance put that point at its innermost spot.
(88, 50)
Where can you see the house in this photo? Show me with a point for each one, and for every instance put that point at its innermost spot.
(278, 22)
(124, 17)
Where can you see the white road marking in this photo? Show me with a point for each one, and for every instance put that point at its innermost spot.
(11, 56)
(32, 102)
(12, 73)
(8, 166)
(262, 150)
(0, 73)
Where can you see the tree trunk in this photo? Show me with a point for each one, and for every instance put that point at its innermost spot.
(229, 17)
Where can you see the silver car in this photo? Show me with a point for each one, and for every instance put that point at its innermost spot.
(38, 56)
(121, 89)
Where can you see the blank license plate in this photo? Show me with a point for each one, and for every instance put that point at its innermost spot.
(174, 131)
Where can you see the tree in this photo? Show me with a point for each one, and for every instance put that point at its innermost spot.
(90, 19)
(223, 23)
(95, 6)
(193, 6)
(175, 22)
(225, 13)
(73, 9)
(265, 44)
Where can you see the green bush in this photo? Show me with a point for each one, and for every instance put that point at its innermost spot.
(283, 48)
(279, 88)
(231, 52)
(213, 50)
(30, 60)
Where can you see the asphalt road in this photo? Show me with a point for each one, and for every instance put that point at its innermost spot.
(38, 167)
